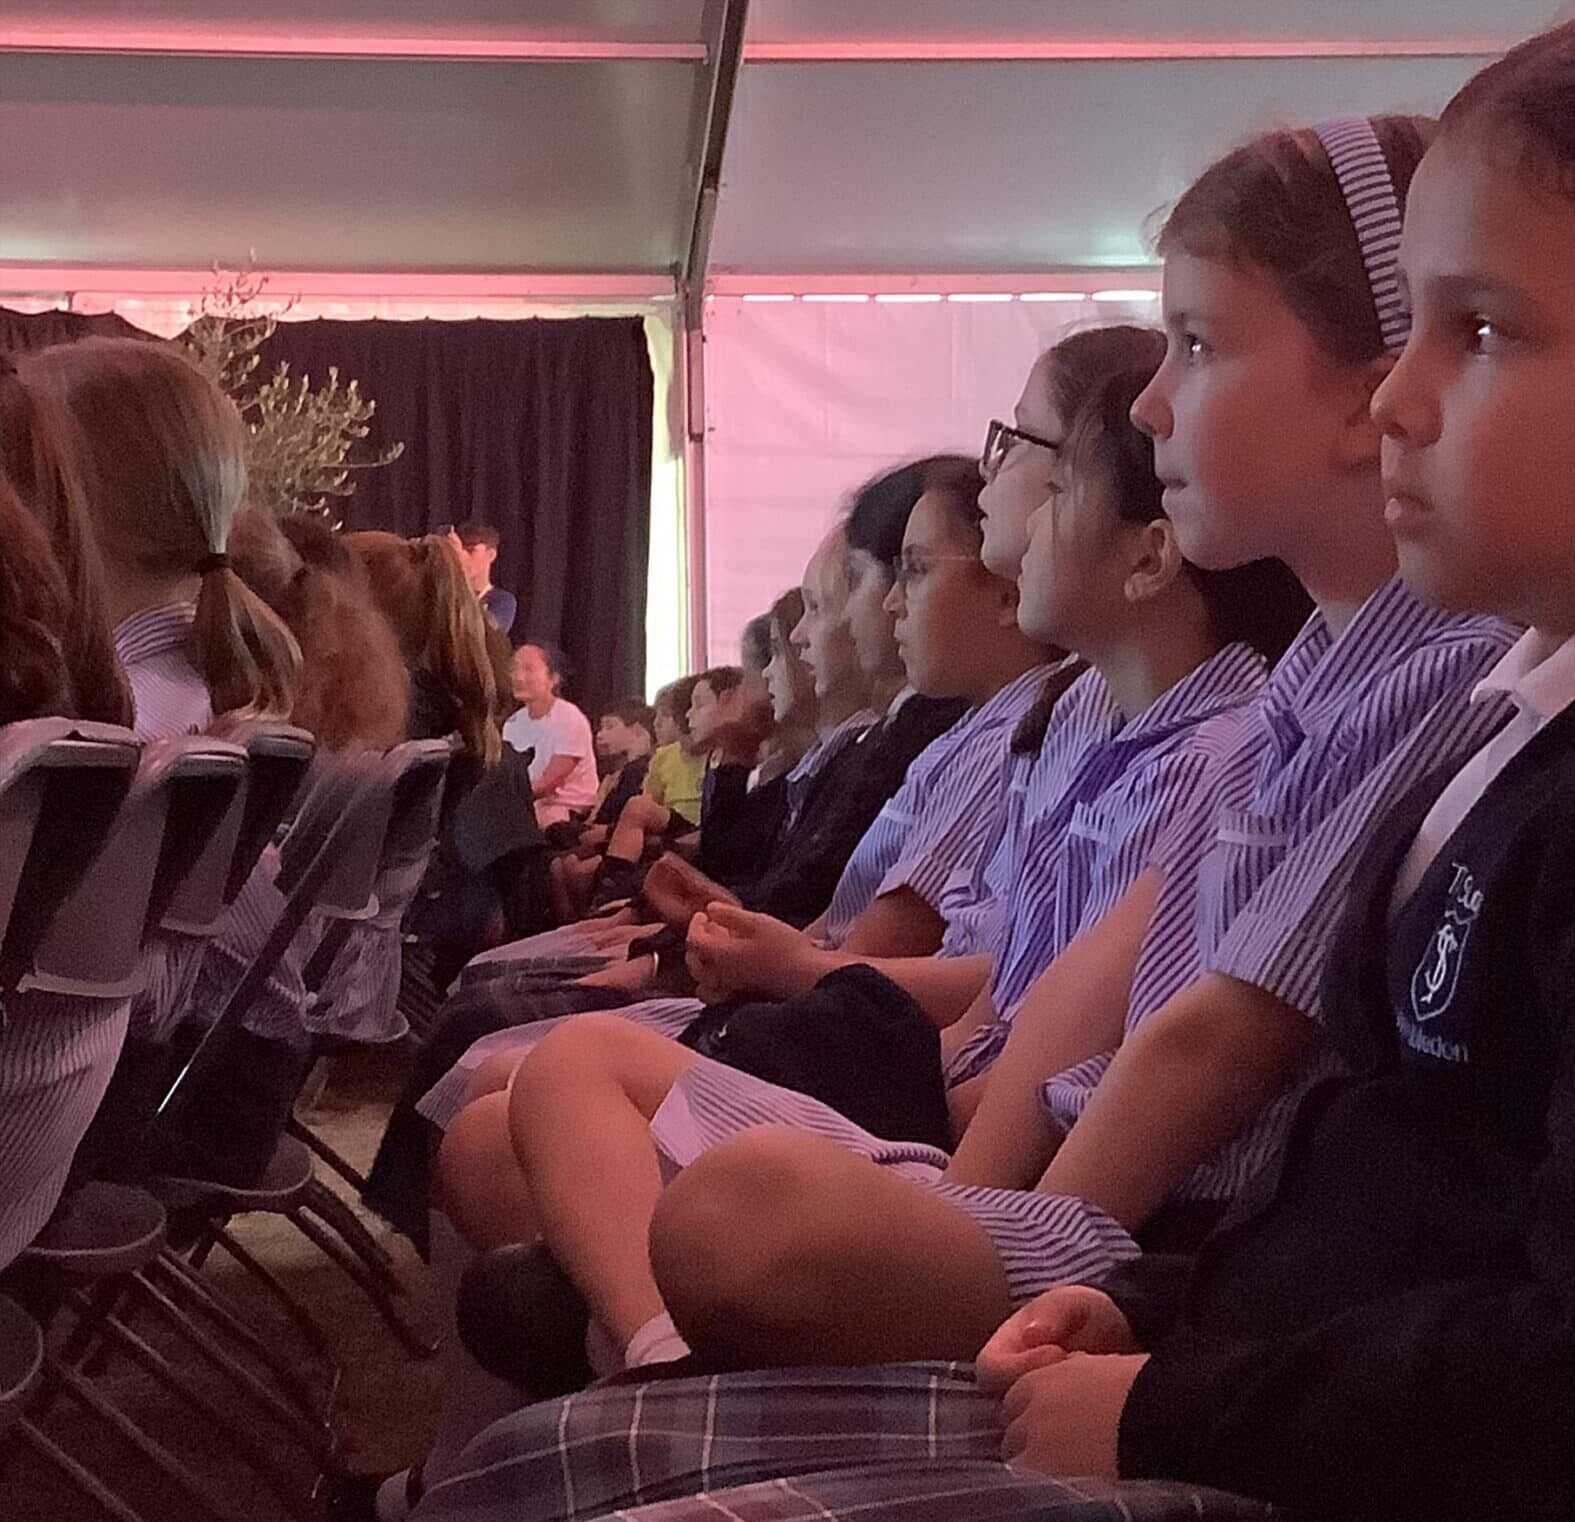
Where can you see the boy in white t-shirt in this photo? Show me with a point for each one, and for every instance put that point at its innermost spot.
(563, 769)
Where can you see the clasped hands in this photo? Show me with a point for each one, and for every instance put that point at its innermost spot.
(1064, 1365)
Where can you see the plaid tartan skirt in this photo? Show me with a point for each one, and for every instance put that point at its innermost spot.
(893, 1443)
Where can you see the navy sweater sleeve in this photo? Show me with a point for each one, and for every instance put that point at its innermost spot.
(1447, 1402)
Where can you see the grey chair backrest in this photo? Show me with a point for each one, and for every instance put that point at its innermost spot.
(347, 800)
(207, 804)
(93, 947)
(419, 769)
(62, 783)
(278, 758)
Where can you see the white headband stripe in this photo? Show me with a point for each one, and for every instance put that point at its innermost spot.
(1363, 174)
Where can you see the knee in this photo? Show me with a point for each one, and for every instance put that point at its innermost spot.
(735, 1237)
(492, 1074)
(467, 1155)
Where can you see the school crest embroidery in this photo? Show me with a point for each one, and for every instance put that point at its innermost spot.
(1437, 974)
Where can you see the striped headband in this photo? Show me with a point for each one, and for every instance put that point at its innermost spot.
(1359, 165)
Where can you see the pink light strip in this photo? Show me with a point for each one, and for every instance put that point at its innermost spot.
(265, 44)
(1029, 50)
(732, 282)
(283, 284)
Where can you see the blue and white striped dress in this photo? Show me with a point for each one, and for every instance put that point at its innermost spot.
(928, 832)
(940, 815)
(1092, 836)
(1289, 791)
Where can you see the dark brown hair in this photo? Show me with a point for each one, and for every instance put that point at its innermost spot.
(721, 680)
(1274, 204)
(1526, 101)
(353, 693)
(39, 460)
(35, 617)
(420, 586)
(955, 479)
(1095, 376)
(675, 699)
(164, 466)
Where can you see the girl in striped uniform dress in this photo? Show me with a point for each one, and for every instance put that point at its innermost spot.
(162, 466)
(779, 1249)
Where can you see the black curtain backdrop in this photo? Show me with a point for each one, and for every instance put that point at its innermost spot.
(542, 427)
(21, 331)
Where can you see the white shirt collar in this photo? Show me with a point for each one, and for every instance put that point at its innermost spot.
(1537, 673)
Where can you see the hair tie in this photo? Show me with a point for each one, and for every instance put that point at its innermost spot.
(1358, 161)
(217, 561)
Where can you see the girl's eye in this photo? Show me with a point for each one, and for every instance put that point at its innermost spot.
(1486, 335)
(1194, 347)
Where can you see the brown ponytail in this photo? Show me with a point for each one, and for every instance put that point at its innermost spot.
(353, 692)
(164, 465)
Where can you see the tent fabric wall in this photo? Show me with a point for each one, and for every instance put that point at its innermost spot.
(805, 400)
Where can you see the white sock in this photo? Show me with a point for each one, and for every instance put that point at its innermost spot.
(656, 1342)
(393, 1501)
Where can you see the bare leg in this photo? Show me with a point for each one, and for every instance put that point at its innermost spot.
(639, 817)
(478, 1183)
(780, 1248)
(579, 1115)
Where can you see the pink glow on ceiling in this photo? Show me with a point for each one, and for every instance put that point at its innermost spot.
(222, 42)
(239, 41)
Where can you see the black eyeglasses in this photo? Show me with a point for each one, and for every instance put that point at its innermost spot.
(1000, 441)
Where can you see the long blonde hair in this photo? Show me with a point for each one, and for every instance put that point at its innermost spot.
(164, 466)
(421, 588)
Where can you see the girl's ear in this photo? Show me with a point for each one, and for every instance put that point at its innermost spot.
(1155, 560)
(1359, 437)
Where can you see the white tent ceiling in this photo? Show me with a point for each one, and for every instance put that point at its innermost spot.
(522, 137)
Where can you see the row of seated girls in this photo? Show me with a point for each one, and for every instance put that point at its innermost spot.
(186, 612)
(1195, 1104)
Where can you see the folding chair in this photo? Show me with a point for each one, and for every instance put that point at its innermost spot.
(328, 862)
(185, 795)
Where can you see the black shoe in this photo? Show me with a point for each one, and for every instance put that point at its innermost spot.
(353, 1497)
(521, 1318)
